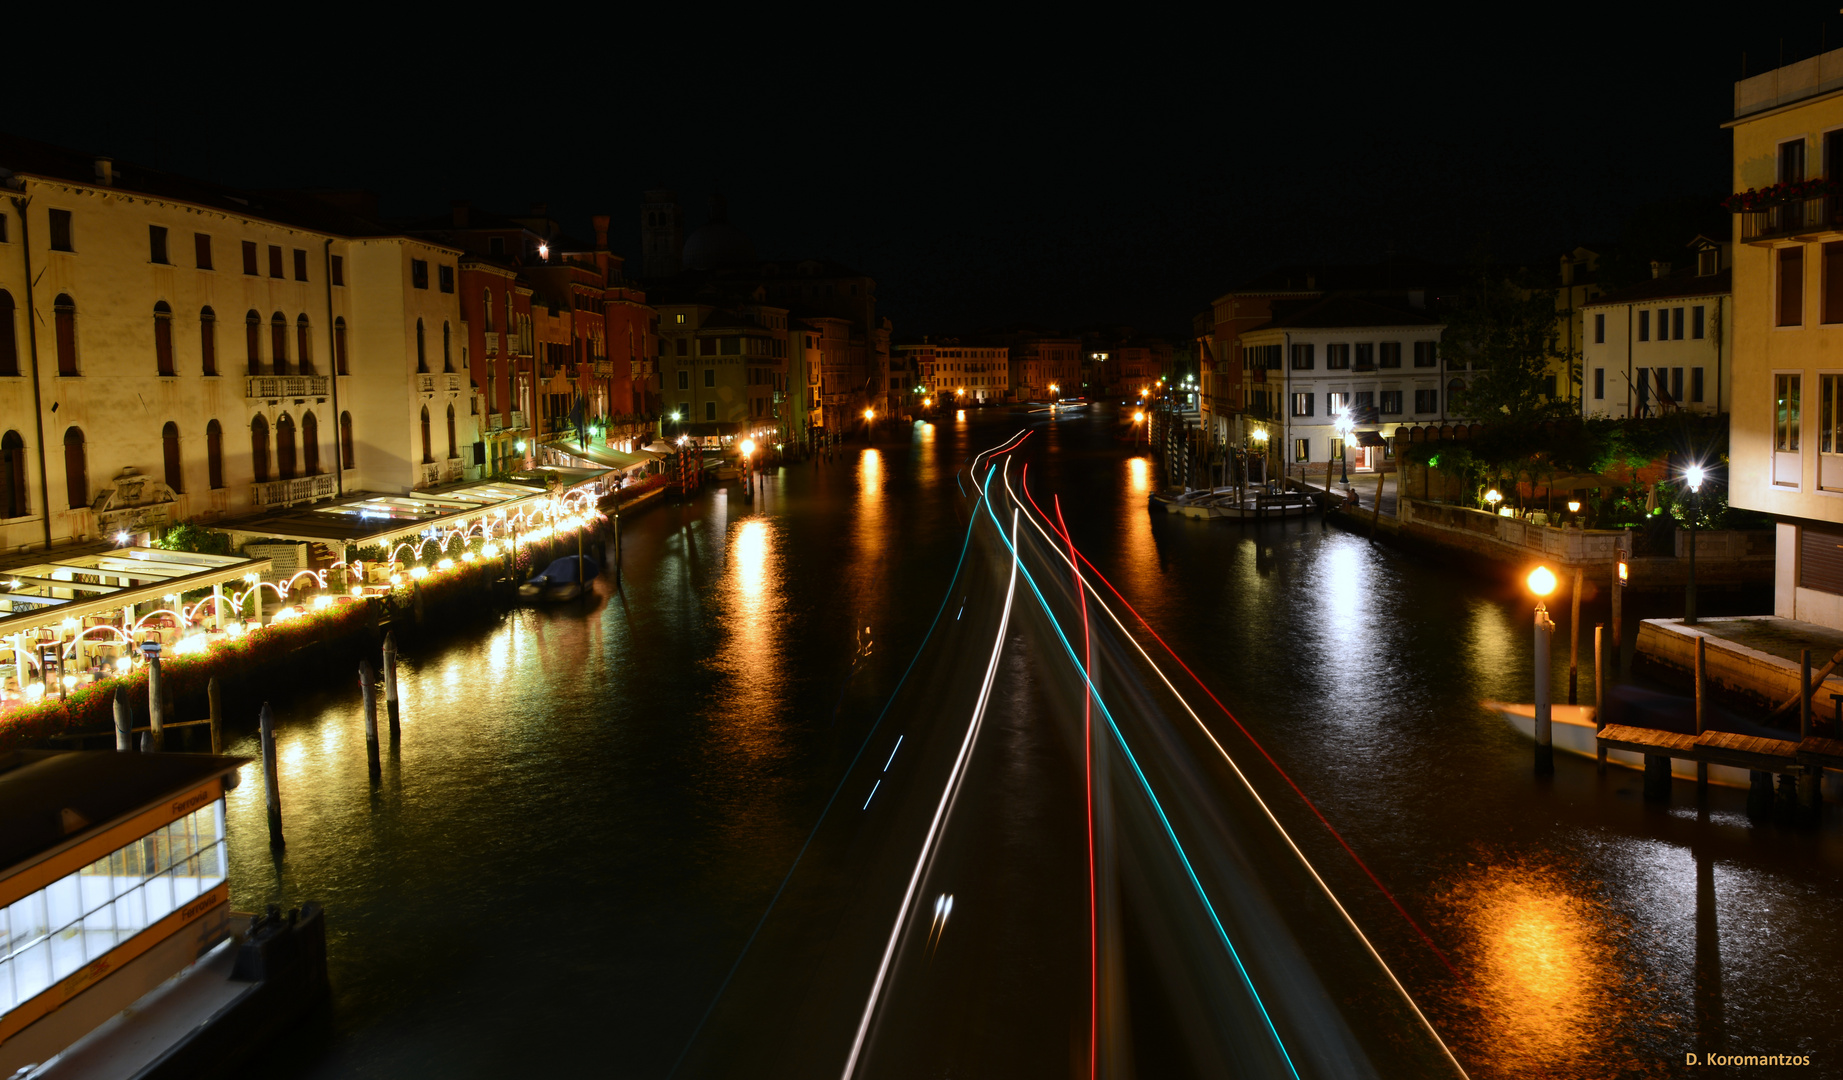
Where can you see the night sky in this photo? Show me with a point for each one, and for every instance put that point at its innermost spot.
(984, 171)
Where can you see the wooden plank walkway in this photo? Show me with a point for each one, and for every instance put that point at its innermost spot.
(1726, 748)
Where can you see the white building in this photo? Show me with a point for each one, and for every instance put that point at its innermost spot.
(1663, 344)
(172, 350)
(1347, 352)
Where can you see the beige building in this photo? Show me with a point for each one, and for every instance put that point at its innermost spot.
(1664, 344)
(1786, 431)
(172, 350)
(954, 373)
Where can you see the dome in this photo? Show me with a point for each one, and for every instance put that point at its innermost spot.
(717, 244)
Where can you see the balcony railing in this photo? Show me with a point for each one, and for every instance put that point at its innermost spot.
(267, 387)
(492, 343)
(425, 384)
(288, 492)
(1797, 216)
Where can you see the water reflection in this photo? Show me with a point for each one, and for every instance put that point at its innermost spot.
(1138, 552)
(1544, 973)
(752, 658)
(870, 534)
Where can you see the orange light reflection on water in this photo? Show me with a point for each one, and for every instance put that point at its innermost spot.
(751, 657)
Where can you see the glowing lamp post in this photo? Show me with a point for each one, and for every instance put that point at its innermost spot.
(1345, 425)
(869, 415)
(1138, 419)
(748, 476)
(1542, 583)
(1493, 497)
(1692, 477)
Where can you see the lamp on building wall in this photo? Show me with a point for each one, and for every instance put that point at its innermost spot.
(1344, 426)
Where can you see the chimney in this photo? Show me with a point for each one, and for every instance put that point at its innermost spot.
(105, 171)
(600, 221)
(1659, 269)
(1417, 298)
(460, 209)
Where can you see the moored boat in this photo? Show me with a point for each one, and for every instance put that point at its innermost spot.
(564, 579)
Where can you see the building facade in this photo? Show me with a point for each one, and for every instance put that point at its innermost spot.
(1661, 345)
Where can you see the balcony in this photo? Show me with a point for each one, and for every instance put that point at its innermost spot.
(428, 475)
(425, 384)
(288, 492)
(454, 384)
(276, 387)
(492, 343)
(517, 422)
(1794, 217)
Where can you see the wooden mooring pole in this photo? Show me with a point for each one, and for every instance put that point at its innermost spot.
(1702, 682)
(391, 709)
(217, 716)
(1599, 688)
(156, 704)
(272, 793)
(1574, 638)
(124, 720)
(368, 686)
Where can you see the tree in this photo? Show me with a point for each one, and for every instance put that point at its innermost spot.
(1506, 331)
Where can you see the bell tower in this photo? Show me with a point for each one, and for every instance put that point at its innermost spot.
(662, 233)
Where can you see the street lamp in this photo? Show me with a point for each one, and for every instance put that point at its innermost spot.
(748, 478)
(1493, 498)
(1692, 476)
(1344, 427)
(1542, 583)
(1139, 418)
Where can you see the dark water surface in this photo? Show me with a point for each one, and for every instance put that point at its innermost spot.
(591, 806)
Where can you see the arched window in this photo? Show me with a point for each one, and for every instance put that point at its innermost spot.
(453, 451)
(259, 449)
(310, 445)
(65, 310)
(422, 350)
(163, 339)
(169, 449)
(214, 455)
(208, 340)
(447, 338)
(345, 440)
(13, 476)
(339, 346)
(76, 470)
(304, 345)
(278, 343)
(284, 447)
(487, 307)
(428, 452)
(252, 341)
(9, 343)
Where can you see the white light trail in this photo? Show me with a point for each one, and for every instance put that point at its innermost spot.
(954, 777)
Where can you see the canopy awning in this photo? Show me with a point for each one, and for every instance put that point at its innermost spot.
(604, 456)
(47, 592)
(365, 519)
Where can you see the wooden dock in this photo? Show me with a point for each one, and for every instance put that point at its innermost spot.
(1798, 763)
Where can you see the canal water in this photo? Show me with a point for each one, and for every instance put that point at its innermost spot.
(592, 804)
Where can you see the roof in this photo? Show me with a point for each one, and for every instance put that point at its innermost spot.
(1348, 312)
(1683, 284)
(1400, 277)
(375, 519)
(105, 580)
(50, 798)
(30, 157)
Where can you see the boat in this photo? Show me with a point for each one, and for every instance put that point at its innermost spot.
(124, 956)
(1572, 730)
(1234, 503)
(563, 579)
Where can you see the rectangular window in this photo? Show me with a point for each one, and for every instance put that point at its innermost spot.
(1599, 329)
(1303, 360)
(1644, 326)
(710, 410)
(1426, 401)
(201, 250)
(1337, 357)
(249, 258)
(1336, 403)
(1366, 356)
(446, 275)
(1599, 383)
(2, 228)
(1792, 286)
(684, 380)
(1424, 354)
(1365, 399)
(1832, 254)
(1391, 355)
(419, 276)
(1391, 403)
(1695, 384)
(156, 244)
(1676, 384)
(60, 231)
(275, 262)
(1829, 439)
(300, 265)
(1791, 161)
(1302, 449)
(707, 346)
(710, 376)
(1302, 404)
(1676, 324)
(339, 271)
(1785, 413)
(1698, 321)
